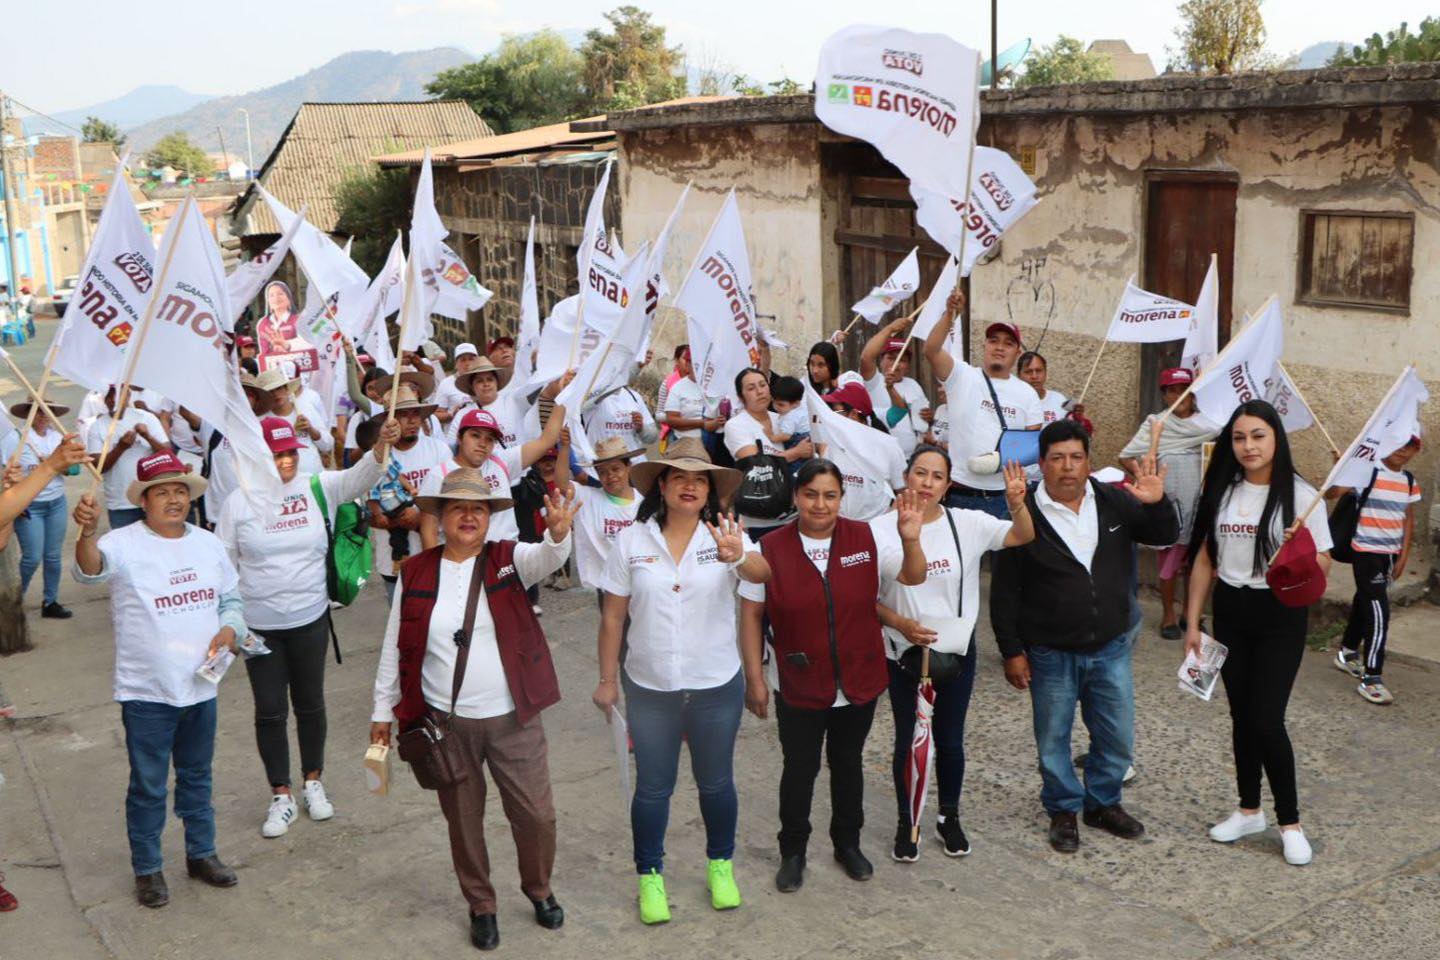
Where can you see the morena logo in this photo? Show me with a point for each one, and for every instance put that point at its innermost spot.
(850, 560)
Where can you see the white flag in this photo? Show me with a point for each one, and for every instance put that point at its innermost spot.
(114, 289)
(934, 307)
(900, 286)
(656, 289)
(185, 355)
(365, 323)
(863, 447)
(324, 263)
(594, 239)
(1389, 428)
(422, 268)
(719, 310)
(1239, 373)
(319, 328)
(1294, 412)
(1000, 194)
(610, 364)
(528, 339)
(459, 292)
(1145, 317)
(245, 281)
(1202, 343)
(915, 96)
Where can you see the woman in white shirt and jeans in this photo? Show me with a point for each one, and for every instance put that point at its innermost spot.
(1249, 502)
(279, 548)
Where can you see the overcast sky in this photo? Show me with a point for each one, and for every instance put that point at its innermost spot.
(81, 52)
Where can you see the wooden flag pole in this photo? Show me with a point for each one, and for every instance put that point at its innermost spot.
(1333, 447)
(1093, 367)
(30, 417)
(39, 401)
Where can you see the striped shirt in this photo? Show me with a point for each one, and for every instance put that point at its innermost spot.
(1381, 527)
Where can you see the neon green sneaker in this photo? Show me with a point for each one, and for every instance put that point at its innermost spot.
(724, 894)
(654, 906)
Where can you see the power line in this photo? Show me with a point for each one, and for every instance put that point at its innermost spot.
(47, 116)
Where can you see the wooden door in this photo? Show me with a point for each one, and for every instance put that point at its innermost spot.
(1188, 216)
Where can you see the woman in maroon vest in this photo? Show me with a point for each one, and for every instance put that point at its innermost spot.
(506, 680)
(831, 664)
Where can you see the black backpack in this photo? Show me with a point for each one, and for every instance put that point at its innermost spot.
(1345, 518)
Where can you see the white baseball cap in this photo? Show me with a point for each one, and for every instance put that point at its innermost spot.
(466, 350)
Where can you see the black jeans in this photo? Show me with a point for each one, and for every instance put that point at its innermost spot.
(1369, 625)
(1266, 641)
(842, 730)
(952, 702)
(295, 664)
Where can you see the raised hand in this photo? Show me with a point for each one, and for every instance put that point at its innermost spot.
(1016, 483)
(86, 514)
(70, 452)
(909, 515)
(729, 539)
(1149, 485)
(955, 303)
(560, 510)
(390, 432)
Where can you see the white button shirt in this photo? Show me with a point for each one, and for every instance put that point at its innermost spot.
(1080, 531)
(682, 617)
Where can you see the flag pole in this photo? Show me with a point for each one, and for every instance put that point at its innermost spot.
(1093, 367)
(35, 407)
(44, 407)
(1333, 447)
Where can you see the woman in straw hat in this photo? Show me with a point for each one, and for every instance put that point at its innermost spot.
(486, 689)
(674, 573)
(608, 505)
(283, 385)
(41, 528)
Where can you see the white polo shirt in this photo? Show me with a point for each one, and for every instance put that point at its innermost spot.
(1079, 531)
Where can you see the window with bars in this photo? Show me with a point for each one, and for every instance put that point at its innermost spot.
(1356, 259)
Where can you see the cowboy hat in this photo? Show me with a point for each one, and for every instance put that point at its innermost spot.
(612, 448)
(686, 453)
(22, 409)
(423, 383)
(464, 483)
(482, 365)
(273, 378)
(163, 467)
(409, 399)
(266, 402)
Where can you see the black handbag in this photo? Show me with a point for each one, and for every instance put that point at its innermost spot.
(944, 666)
(433, 757)
(765, 490)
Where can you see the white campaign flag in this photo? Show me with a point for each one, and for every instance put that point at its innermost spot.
(1294, 412)
(610, 364)
(595, 239)
(719, 311)
(245, 281)
(1202, 343)
(527, 340)
(459, 292)
(1145, 317)
(109, 302)
(934, 307)
(1239, 372)
(324, 263)
(900, 286)
(860, 445)
(365, 323)
(1389, 428)
(422, 267)
(319, 328)
(1000, 194)
(552, 355)
(914, 96)
(656, 289)
(185, 354)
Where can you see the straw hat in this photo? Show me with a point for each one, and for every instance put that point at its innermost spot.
(686, 454)
(273, 379)
(423, 383)
(408, 399)
(163, 467)
(21, 410)
(612, 448)
(465, 483)
(482, 365)
(251, 383)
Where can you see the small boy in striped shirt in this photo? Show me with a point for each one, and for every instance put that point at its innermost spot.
(1383, 535)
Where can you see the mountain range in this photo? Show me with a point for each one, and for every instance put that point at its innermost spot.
(139, 106)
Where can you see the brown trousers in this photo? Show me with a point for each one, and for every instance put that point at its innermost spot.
(517, 755)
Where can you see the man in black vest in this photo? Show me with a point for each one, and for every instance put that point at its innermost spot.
(1060, 606)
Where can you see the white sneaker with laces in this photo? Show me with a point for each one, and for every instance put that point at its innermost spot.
(316, 803)
(1238, 825)
(277, 820)
(1297, 848)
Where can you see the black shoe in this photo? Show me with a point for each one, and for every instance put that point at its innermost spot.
(1064, 834)
(151, 891)
(484, 931)
(949, 832)
(1171, 631)
(53, 611)
(211, 871)
(1115, 820)
(548, 913)
(854, 862)
(791, 875)
(905, 850)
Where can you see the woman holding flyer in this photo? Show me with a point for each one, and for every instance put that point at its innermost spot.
(1248, 507)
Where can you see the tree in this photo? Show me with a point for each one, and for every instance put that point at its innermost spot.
(373, 203)
(1397, 46)
(95, 130)
(630, 66)
(179, 151)
(1220, 36)
(1065, 61)
(530, 80)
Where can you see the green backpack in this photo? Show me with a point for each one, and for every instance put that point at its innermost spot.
(350, 557)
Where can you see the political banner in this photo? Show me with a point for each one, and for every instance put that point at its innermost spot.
(325, 264)
(855, 446)
(1285, 397)
(1202, 342)
(900, 286)
(594, 239)
(1000, 194)
(1145, 317)
(934, 307)
(365, 322)
(245, 282)
(1239, 373)
(459, 291)
(718, 306)
(611, 363)
(527, 338)
(914, 96)
(1389, 428)
(319, 328)
(422, 266)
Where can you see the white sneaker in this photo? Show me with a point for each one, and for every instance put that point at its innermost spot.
(277, 820)
(316, 803)
(1238, 825)
(985, 463)
(1297, 848)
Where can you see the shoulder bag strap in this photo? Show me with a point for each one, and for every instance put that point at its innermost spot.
(319, 492)
(959, 560)
(462, 636)
(995, 400)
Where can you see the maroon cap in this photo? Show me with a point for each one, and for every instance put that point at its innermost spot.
(501, 341)
(279, 435)
(244, 341)
(158, 465)
(854, 396)
(365, 360)
(1005, 327)
(1295, 576)
(894, 344)
(476, 419)
(1176, 377)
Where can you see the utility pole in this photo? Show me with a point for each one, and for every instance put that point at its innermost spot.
(249, 147)
(9, 202)
(994, 45)
(14, 634)
(223, 152)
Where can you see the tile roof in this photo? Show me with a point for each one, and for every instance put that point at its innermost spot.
(325, 141)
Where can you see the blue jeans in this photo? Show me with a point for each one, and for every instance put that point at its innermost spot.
(155, 735)
(41, 532)
(995, 506)
(1101, 682)
(952, 702)
(709, 720)
(123, 518)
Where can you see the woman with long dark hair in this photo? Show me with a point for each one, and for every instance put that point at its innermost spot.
(1248, 506)
(753, 431)
(823, 367)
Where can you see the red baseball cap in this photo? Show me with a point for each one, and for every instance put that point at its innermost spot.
(162, 467)
(1295, 576)
(501, 341)
(894, 344)
(365, 360)
(245, 341)
(854, 396)
(1004, 327)
(1176, 377)
(475, 419)
(279, 435)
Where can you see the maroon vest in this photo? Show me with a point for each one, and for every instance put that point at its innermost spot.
(834, 625)
(524, 654)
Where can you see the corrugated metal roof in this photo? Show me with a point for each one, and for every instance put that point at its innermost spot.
(326, 141)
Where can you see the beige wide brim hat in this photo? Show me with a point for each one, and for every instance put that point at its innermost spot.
(612, 448)
(266, 402)
(463, 381)
(423, 383)
(407, 400)
(274, 379)
(21, 410)
(687, 454)
(193, 481)
(467, 484)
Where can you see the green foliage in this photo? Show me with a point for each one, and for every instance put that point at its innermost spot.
(1397, 46)
(373, 203)
(95, 130)
(1065, 61)
(630, 66)
(531, 80)
(754, 88)
(179, 151)
(1220, 37)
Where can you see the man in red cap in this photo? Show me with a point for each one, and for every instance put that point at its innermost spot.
(247, 348)
(501, 352)
(900, 403)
